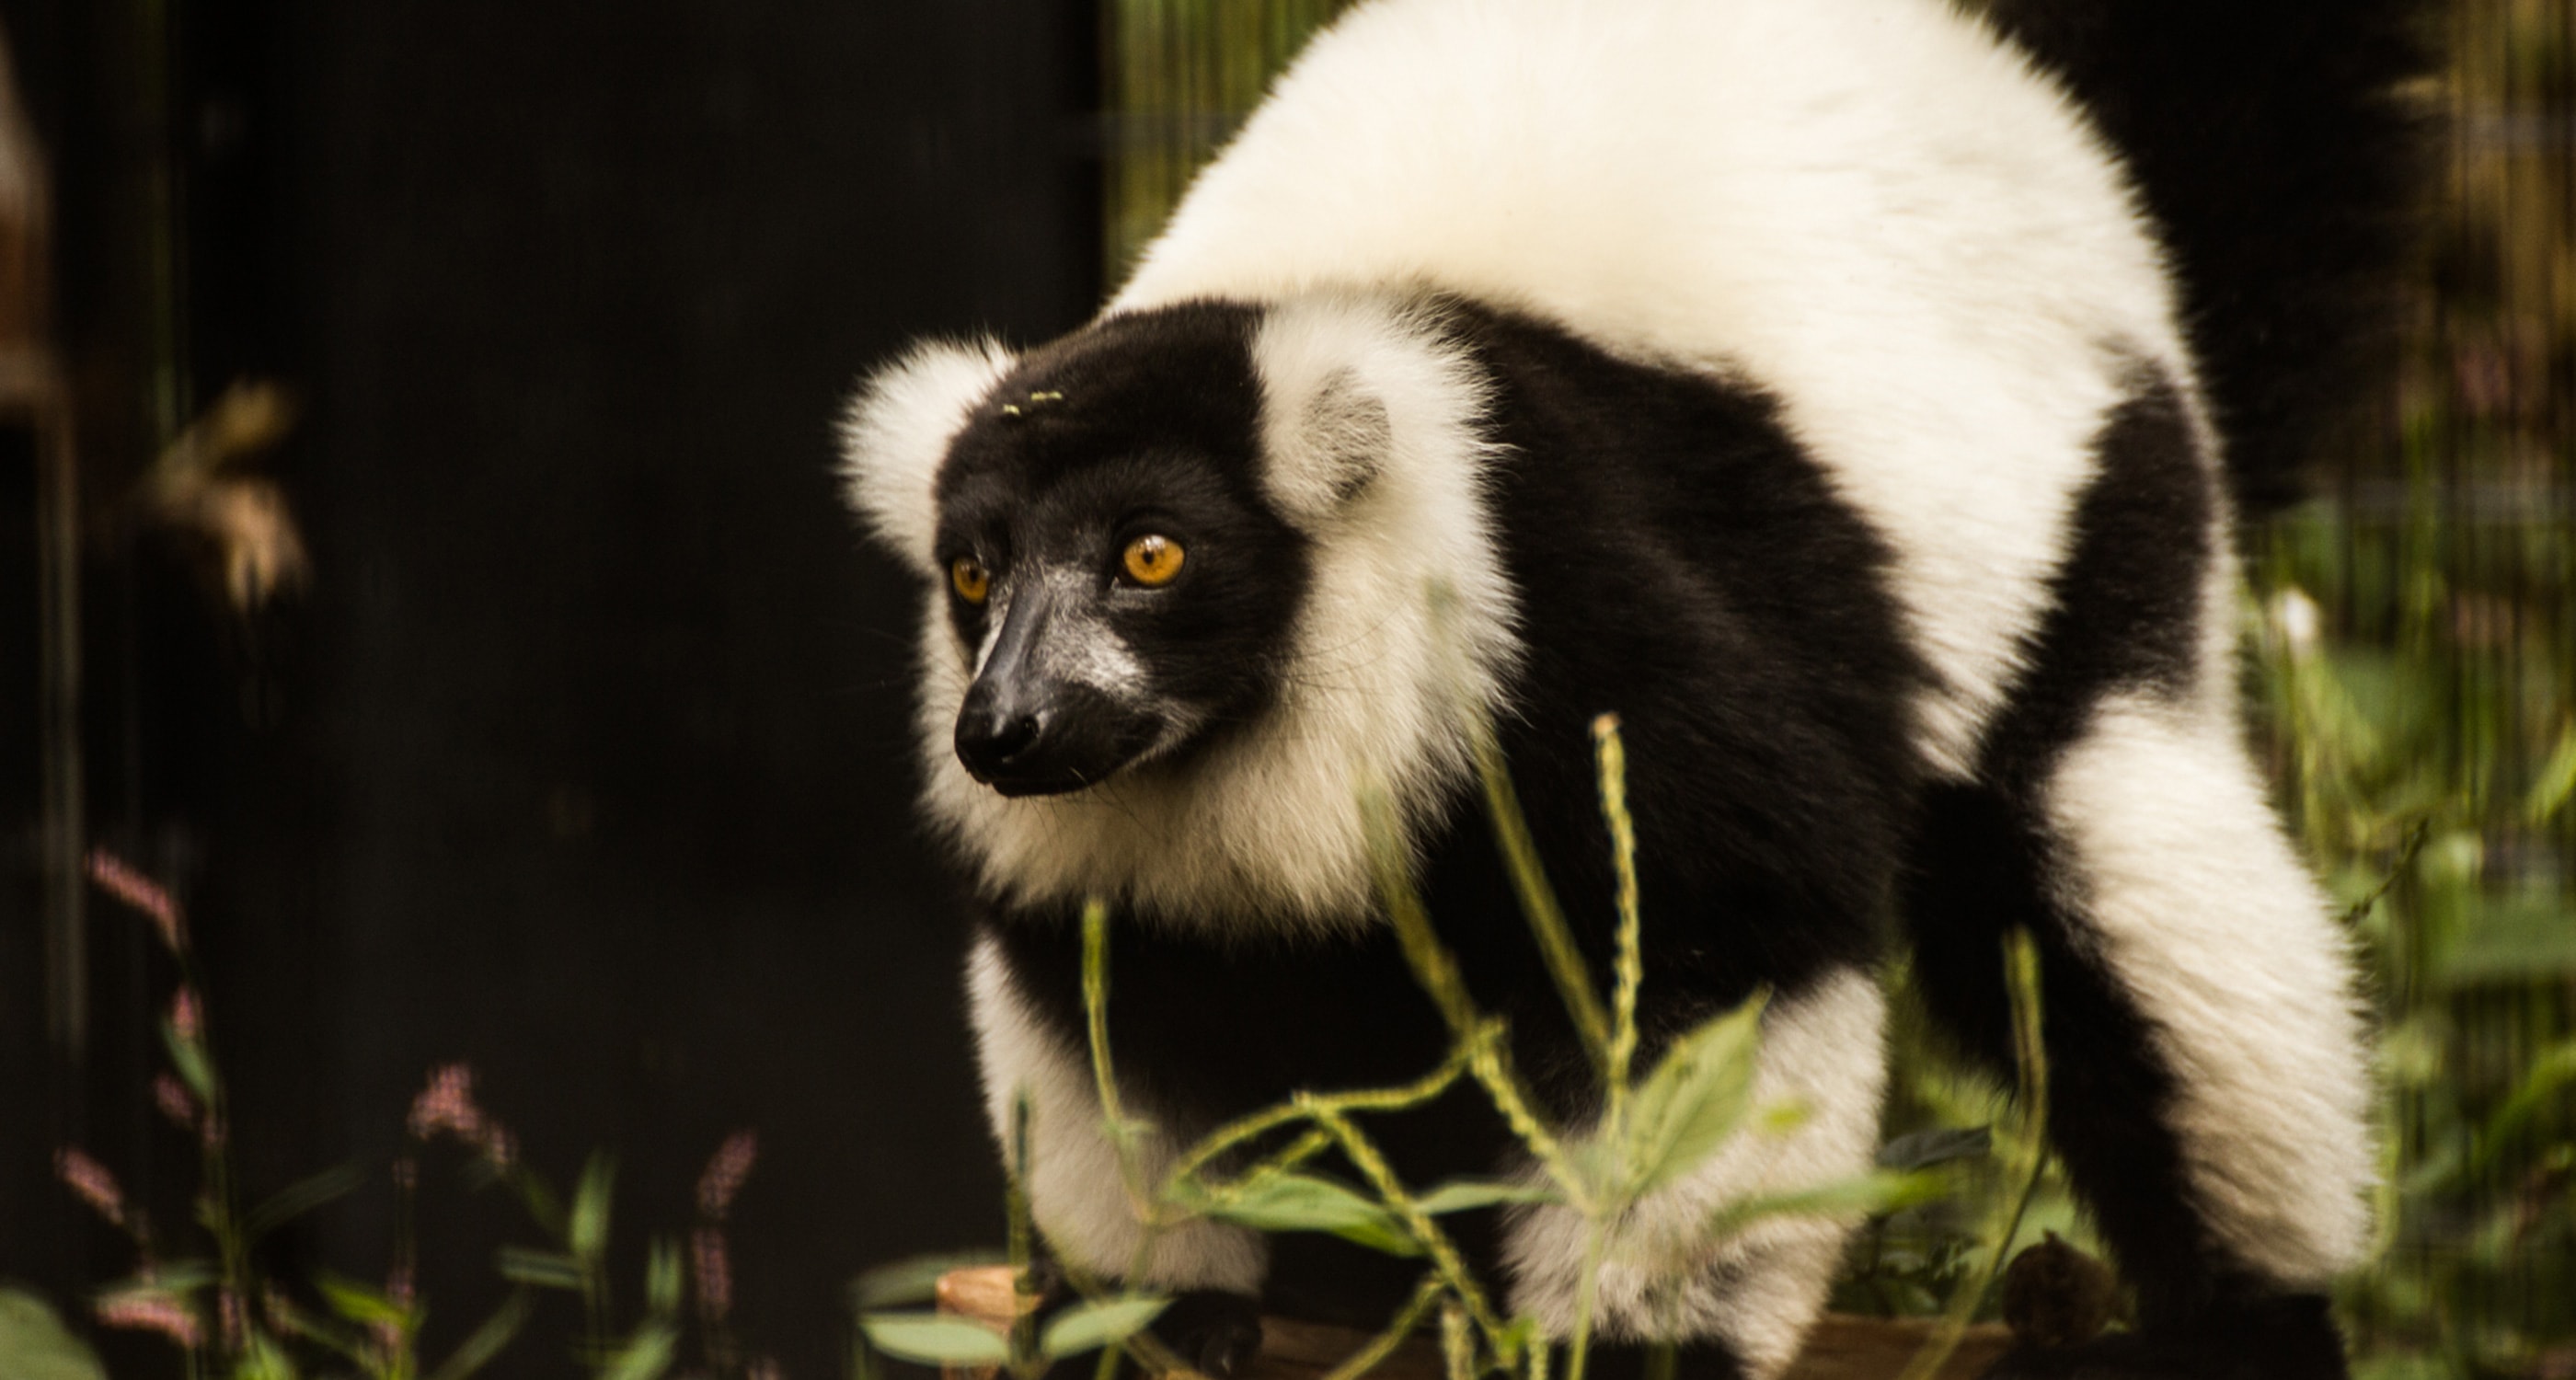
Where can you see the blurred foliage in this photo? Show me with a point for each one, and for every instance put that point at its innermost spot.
(1181, 75)
(2416, 658)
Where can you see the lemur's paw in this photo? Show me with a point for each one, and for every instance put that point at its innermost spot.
(1213, 1332)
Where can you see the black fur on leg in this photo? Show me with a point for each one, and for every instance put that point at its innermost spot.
(1214, 1333)
(1696, 1360)
(2281, 1337)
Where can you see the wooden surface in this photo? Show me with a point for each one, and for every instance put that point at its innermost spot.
(1840, 1348)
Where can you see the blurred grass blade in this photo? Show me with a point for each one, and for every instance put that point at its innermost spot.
(1870, 1195)
(935, 1339)
(1463, 1195)
(2555, 781)
(662, 1276)
(174, 1278)
(299, 1198)
(34, 1344)
(188, 1058)
(1693, 1099)
(1538, 900)
(914, 1280)
(586, 1232)
(486, 1341)
(2543, 1085)
(543, 1269)
(1091, 1326)
(1941, 1145)
(359, 1303)
(646, 1354)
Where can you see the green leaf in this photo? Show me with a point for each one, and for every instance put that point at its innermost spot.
(935, 1339)
(1091, 1326)
(2550, 1071)
(486, 1342)
(174, 1279)
(360, 1304)
(544, 1269)
(1693, 1099)
(662, 1277)
(1304, 1202)
(1941, 1145)
(1870, 1195)
(263, 1359)
(2516, 938)
(34, 1344)
(1464, 1195)
(189, 1058)
(297, 1199)
(646, 1354)
(587, 1231)
(2555, 781)
(914, 1280)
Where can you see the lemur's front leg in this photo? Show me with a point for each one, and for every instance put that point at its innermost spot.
(1078, 1190)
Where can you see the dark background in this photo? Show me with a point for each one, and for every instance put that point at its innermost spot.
(583, 758)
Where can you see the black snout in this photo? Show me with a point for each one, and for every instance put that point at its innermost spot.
(998, 729)
(1021, 735)
(1026, 731)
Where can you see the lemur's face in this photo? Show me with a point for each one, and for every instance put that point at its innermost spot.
(1121, 588)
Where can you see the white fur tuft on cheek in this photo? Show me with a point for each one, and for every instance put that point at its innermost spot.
(898, 430)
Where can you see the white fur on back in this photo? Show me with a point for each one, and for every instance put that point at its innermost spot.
(898, 430)
(1406, 628)
(1870, 208)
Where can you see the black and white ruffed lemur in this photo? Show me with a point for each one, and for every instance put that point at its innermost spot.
(1857, 397)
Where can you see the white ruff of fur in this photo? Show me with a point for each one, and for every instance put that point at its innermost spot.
(898, 430)
(1370, 418)
(1871, 208)
(1076, 1191)
(1759, 1290)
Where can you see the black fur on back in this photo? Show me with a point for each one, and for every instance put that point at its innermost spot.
(2287, 173)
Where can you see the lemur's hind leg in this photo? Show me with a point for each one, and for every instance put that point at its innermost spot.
(2208, 1082)
(1738, 1306)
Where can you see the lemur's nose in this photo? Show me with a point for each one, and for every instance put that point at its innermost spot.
(991, 734)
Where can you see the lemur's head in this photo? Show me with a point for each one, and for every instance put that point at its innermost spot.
(1112, 566)
(1182, 551)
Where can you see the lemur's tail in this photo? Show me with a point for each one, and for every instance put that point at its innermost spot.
(2272, 142)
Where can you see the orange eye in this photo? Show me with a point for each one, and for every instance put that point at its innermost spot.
(968, 577)
(1153, 560)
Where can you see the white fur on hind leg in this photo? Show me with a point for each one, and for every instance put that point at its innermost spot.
(1758, 1290)
(2216, 933)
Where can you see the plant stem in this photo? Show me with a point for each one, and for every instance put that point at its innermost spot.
(2030, 1143)
(1365, 1157)
(1596, 1244)
(1538, 900)
(1383, 1345)
(1024, 1291)
(1629, 966)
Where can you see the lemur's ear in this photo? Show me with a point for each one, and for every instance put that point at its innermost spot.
(898, 429)
(1348, 385)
